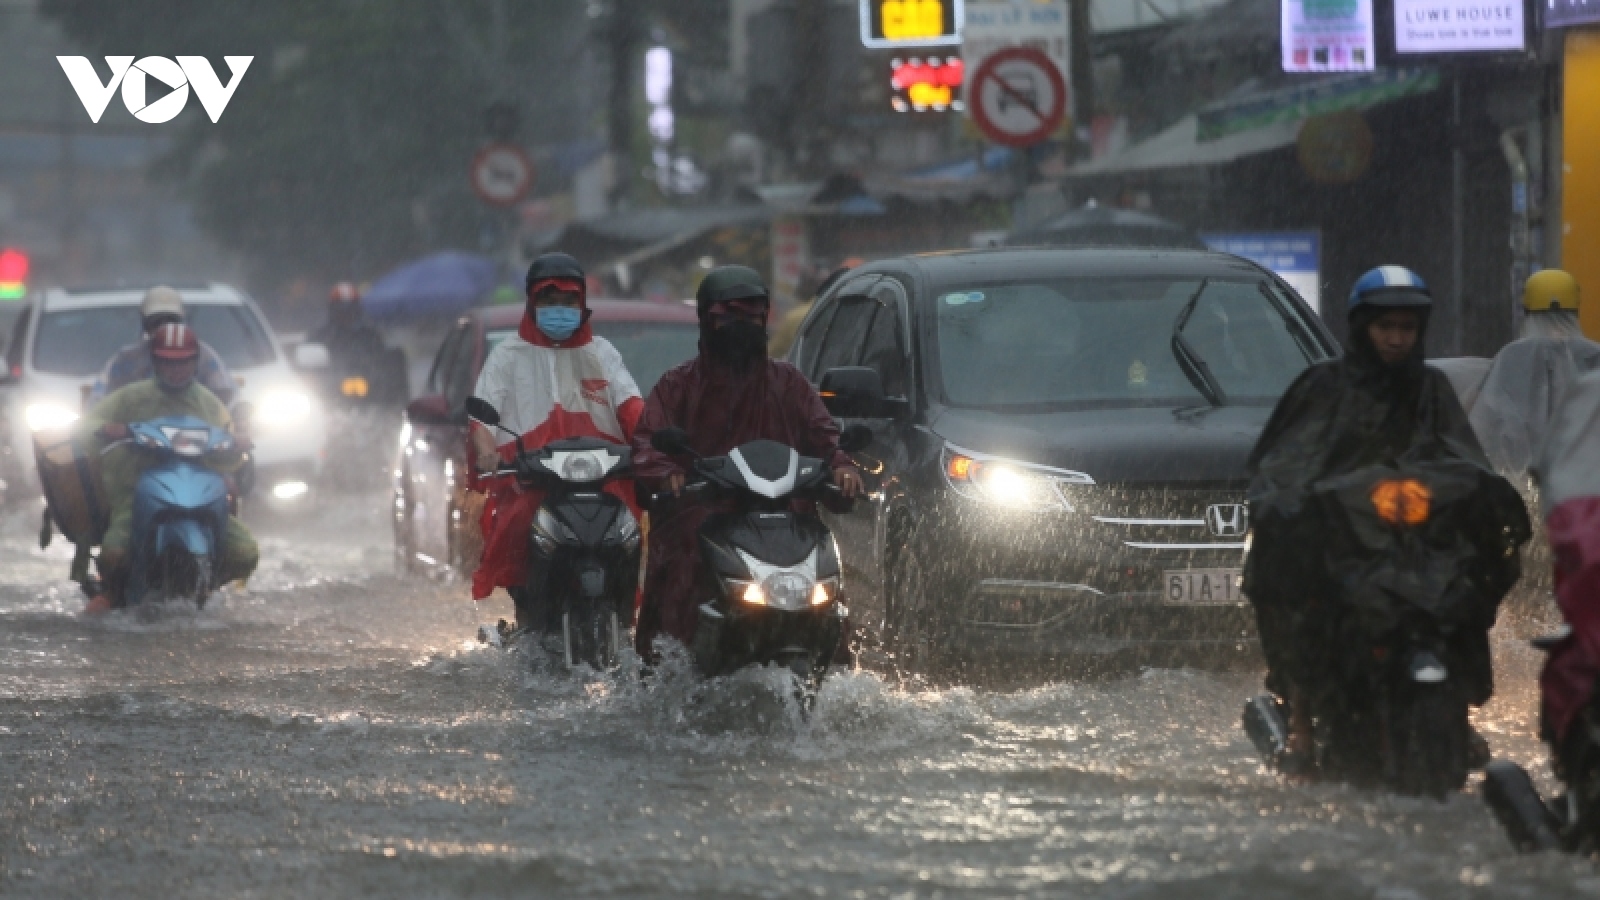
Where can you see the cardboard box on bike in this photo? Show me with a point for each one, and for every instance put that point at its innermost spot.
(69, 472)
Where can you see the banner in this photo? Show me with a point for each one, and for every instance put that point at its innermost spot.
(1327, 36)
(1458, 26)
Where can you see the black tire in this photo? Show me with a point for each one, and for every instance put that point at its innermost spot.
(909, 630)
(1429, 729)
(405, 535)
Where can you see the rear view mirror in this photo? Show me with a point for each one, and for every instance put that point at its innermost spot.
(855, 438)
(671, 441)
(431, 409)
(856, 392)
(483, 411)
(311, 357)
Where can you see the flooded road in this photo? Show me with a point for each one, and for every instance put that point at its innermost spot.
(334, 731)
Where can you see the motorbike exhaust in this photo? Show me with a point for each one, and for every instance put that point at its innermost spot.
(1516, 804)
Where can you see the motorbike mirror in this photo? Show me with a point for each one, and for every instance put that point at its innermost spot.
(855, 438)
(483, 411)
(312, 356)
(671, 441)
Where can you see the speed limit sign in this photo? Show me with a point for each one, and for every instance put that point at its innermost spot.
(1018, 97)
(501, 174)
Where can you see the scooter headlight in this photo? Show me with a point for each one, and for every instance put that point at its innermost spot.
(787, 590)
(582, 467)
(825, 592)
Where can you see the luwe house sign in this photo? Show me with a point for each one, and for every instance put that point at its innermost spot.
(1458, 26)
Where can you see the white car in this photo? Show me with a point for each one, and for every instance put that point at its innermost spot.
(64, 339)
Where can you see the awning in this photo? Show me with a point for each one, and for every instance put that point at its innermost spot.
(1258, 122)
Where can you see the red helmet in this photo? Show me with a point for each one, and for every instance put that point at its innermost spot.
(344, 292)
(175, 341)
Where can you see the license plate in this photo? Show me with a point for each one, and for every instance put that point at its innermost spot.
(1202, 587)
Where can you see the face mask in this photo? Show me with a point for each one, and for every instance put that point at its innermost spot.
(558, 322)
(738, 344)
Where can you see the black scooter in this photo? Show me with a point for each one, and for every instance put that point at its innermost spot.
(771, 591)
(583, 563)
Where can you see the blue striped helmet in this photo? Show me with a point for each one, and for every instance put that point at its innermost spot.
(1390, 286)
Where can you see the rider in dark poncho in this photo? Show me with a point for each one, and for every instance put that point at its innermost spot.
(1379, 405)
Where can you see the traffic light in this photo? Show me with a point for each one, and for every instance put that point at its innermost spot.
(13, 274)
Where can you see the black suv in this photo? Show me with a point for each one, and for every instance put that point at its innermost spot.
(1059, 443)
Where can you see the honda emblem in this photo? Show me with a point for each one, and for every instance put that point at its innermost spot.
(1228, 519)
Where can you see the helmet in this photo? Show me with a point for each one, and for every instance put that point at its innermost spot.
(728, 283)
(553, 266)
(161, 301)
(1390, 287)
(176, 342)
(344, 292)
(1550, 289)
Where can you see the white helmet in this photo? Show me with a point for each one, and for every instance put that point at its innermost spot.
(161, 300)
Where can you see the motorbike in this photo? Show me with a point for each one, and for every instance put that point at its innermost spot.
(583, 567)
(771, 584)
(180, 509)
(1414, 582)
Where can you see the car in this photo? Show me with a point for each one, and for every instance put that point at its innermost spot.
(1059, 444)
(63, 340)
(432, 511)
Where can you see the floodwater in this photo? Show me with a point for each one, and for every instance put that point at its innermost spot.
(335, 731)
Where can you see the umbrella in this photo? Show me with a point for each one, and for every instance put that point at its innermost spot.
(442, 284)
(1104, 226)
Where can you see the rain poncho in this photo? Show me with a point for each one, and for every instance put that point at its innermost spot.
(545, 392)
(1323, 570)
(720, 409)
(1569, 481)
(1526, 384)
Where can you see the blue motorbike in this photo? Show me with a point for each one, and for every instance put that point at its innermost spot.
(180, 509)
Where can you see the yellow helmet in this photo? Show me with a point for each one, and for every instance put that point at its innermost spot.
(1550, 289)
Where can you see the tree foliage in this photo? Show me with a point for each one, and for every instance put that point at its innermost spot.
(347, 145)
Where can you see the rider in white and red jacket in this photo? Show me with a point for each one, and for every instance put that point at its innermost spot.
(553, 380)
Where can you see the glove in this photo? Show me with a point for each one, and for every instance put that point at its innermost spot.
(114, 431)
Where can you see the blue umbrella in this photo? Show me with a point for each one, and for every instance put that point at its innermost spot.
(442, 284)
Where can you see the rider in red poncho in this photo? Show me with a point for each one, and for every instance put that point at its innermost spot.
(553, 380)
(730, 394)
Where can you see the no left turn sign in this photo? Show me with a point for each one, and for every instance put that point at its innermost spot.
(501, 174)
(1017, 97)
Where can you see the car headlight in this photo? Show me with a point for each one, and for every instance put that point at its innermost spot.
(282, 408)
(1007, 483)
(45, 416)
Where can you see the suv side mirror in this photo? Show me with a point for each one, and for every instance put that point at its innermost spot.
(312, 357)
(856, 392)
(430, 409)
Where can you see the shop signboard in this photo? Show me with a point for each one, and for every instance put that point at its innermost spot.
(1295, 256)
(1459, 26)
(889, 24)
(1327, 36)
(1561, 13)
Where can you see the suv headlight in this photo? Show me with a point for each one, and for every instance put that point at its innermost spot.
(44, 416)
(1007, 483)
(283, 407)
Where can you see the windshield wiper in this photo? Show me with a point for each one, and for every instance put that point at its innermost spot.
(1193, 365)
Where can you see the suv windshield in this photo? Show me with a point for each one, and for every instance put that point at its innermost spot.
(82, 341)
(1085, 343)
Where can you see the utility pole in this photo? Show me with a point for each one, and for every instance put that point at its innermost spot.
(622, 40)
(1082, 75)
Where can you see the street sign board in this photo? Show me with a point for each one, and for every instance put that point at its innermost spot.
(1017, 97)
(501, 174)
(993, 25)
(890, 24)
(1458, 26)
(1295, 256)
(1327, 36)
